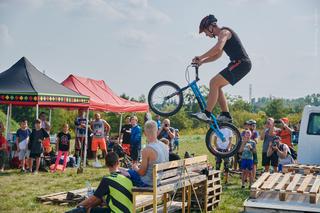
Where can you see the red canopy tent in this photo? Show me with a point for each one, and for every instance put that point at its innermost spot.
(101, 96)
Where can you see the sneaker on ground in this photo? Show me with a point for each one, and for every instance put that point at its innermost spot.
(201, 116)
(223, 118)
(97, 164)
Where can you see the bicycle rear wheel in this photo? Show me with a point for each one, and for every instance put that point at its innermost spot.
(165, 98)
(224, 149)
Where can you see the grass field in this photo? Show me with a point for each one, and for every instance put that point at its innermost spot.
(18, 191)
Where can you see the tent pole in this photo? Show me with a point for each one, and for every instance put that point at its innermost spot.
(8, 121)
(86, 141)
(50, 116)
(120, 127)
(37, 111)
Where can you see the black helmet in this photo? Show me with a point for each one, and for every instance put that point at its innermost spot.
(206, 21)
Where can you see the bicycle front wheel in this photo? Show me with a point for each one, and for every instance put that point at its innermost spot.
(227, 148)
(165, 98)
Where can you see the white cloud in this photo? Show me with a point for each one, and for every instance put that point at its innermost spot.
(25, 4)
(136, 38)
(5, 37)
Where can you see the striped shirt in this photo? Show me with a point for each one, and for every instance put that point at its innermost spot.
(118, 191)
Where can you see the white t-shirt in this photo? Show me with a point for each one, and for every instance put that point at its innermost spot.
(227, 134)
(288, 159)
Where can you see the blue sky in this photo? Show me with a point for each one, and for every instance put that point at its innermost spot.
(132, 44)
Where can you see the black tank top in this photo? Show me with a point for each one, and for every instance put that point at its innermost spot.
(234, 48)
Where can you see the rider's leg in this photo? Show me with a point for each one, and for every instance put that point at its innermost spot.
(223, 101)
(216, 84)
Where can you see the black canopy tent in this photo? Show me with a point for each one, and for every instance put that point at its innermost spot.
(24, 85)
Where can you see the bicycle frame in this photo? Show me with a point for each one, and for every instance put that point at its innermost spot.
(202, 104)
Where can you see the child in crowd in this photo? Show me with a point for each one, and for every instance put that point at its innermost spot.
(23, 134)
(63, 146)
(176, 140)
(248, 148)
(46, 142)
(35, 144)
(3, 149)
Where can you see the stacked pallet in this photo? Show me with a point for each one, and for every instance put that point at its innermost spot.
(301, 168)
(288, 184)
(214, 190)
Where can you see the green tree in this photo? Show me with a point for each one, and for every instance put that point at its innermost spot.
(275, 108)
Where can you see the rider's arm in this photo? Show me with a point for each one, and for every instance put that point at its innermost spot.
(213, 58)
(218, 48)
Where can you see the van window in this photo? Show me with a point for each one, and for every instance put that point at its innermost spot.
(314, 124)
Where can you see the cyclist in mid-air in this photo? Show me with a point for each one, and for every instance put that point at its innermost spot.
(240, 65)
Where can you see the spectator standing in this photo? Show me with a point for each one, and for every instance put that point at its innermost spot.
(167, 132)
(285, 132)
(135, 140)
(35, 144)
(23, 134)
(3, 149)
(44, 122)
(176, 140)
(126, 134)
(158, 120)
(248, 147)
(63, 147)
(254, 137)
(223, 147)
(80, 124)
(267, 136)
(99, 127)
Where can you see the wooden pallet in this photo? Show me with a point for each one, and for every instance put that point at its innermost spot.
(214, 190)
(287, 184)
(301, 168)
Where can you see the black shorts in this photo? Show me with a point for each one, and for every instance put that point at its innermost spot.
(236, 70)
(273, 159)
(35, 155)
(135, 153)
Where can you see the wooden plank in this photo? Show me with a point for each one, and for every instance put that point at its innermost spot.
(305, 183)
(293, 183)
(169, 165)
(198, 159)
(271, 181)
(283, 182)
(50, 195)
(260, 181)
(315, 187)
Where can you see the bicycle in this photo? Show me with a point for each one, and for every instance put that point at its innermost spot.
(165, 98)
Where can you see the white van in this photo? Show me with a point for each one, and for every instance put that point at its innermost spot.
(309, 136)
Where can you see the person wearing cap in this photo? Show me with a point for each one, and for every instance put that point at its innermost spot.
(252, 124)
(282, 151)
(285, 132)
(239, 66)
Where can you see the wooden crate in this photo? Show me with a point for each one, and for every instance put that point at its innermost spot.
(287, 184)
(301, 168)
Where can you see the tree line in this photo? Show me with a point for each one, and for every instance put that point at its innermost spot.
(240, 109)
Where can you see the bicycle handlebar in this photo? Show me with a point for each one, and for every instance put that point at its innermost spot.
(196, 66)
